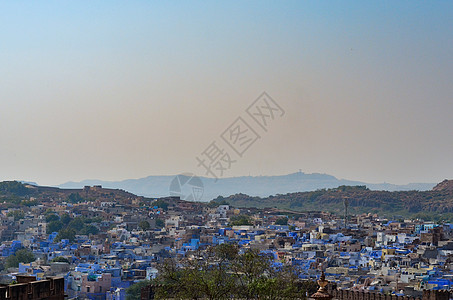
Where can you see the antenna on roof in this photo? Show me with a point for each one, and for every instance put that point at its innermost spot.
(346, 205)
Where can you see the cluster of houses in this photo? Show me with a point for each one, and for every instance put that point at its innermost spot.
(133, 235)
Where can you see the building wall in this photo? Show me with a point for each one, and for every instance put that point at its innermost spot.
(101, 285)
(49, 289)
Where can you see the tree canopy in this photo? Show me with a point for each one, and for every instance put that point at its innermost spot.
(144, 225)
(240, 220)
(75, 198)
(160, 223)
(52, 217)
(61, 259)
(17, 214)
(281, 221)
(66, 233)
(223, 272)
(21, 256)
(13, 187)
(68, 227)
(134, 291)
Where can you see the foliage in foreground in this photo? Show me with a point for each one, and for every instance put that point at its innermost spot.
(223, 273)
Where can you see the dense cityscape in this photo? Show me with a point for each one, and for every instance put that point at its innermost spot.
(101, 242)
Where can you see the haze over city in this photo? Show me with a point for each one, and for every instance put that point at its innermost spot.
(110, 90)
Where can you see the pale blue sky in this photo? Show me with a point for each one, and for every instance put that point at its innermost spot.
(126, 89)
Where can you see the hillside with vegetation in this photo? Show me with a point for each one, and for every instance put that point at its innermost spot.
(17, 195)
(436, 204)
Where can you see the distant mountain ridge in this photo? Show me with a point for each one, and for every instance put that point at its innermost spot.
(261, 186)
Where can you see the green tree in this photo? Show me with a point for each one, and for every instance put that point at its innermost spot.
(14, 187)
(75, 198)
(226, 252)
(29, 202)
(54, 226)
(66, 233)
(195, 279)
(89, 229)
(217, 201)
(65, 218)
(133, 292)
(144, 225)
(52, 217)
(250, 269)
(93, 220)
(21, 256)
(257, 278)
(240, 220)
(281, 221)
(223, 273)
(12, 262)
(60, 259)
(17, 214)
(77, 224)
(160, 223)
(13, 201)
(161, 204)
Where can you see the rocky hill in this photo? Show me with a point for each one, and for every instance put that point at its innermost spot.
(14, 194)
(446, 185)
(435, 204)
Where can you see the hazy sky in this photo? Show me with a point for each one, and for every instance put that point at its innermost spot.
(126, 89)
